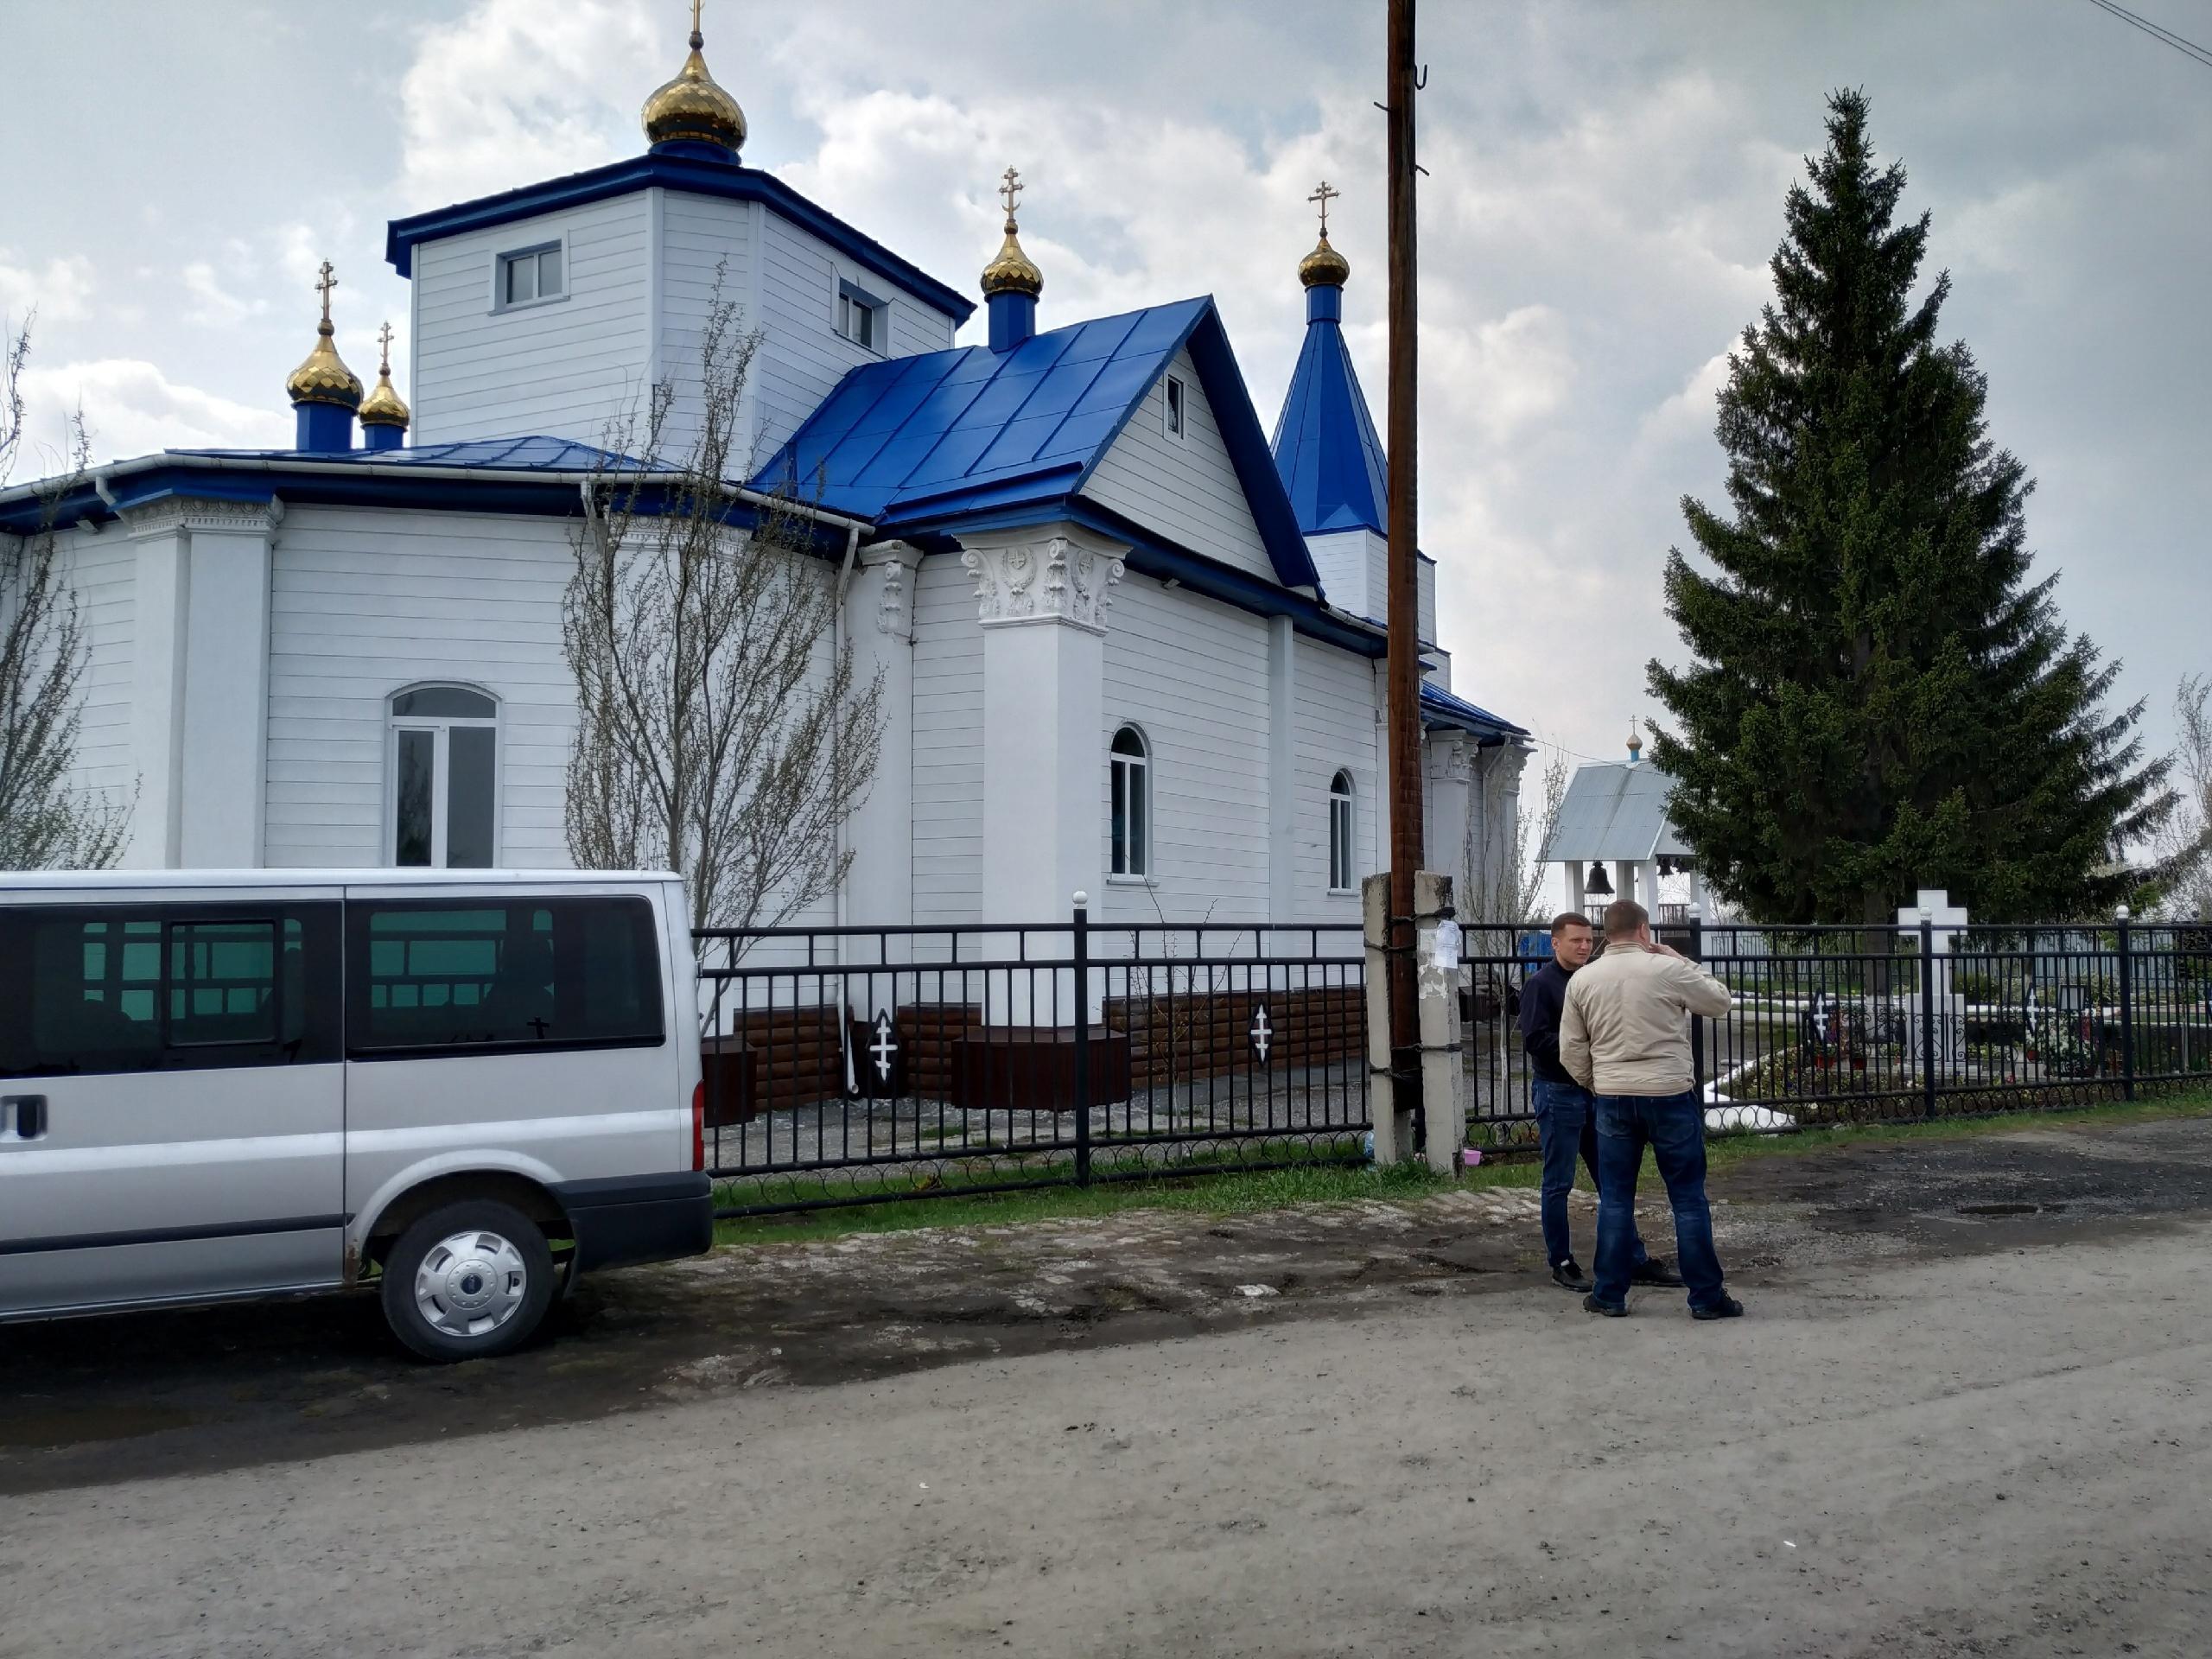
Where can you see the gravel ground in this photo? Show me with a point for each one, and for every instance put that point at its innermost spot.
(1966, 1416)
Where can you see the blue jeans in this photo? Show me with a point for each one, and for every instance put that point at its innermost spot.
(1672, 1126)
(1566, 1126)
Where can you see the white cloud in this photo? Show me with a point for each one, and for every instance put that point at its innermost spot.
(133, 409)
(60, 291)
(211, 303)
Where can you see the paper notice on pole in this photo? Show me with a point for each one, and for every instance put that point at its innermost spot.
(1444, 947)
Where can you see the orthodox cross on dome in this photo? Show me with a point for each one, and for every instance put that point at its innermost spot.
(323, 286)
(1008, 190)
(1324, 196)
(383, 339)
(697, 39)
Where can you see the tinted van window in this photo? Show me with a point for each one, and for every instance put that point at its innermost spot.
(532, 973)
(144, 988)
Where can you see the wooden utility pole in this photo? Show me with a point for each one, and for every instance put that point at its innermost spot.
(1404, 558)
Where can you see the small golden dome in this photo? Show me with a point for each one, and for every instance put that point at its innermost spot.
(1324, 266)
(693, 108)
(323, 378)
(1012, 272)
(384, 406)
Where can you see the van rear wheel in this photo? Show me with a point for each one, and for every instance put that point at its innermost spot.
(468, 1281)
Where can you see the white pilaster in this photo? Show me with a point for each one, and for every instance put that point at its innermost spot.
(1646, 878)
(1042, 594)
(880, 609)
(161, 590)
(1448, 758)
(1282, 773)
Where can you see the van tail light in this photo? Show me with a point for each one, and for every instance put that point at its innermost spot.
(699, 1124)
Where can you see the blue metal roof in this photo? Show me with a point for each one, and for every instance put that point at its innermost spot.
(1439, 707)
(513, 455)
(1331, 461)
(701, 177)
(954, 437)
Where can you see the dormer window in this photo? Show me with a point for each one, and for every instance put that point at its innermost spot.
(861, 317)
(1176, 416)
(529, 275)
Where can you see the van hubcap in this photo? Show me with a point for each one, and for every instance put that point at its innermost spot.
(471, 1284)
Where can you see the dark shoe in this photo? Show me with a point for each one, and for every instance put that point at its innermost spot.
(1570, 1276)
(1727, 1308)
(1656, 1271)
(1614, 1310)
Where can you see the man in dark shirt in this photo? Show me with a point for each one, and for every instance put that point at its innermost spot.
(1566, 1116)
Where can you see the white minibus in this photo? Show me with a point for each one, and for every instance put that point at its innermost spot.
(217, 1084)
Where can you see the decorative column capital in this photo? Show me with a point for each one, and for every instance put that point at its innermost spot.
(898, 561)
(195, 513)
(1050, 573)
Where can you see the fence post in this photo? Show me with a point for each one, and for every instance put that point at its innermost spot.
(1928, 1013)
(1697, 1021)
(2126, 1010)
(1082, 936)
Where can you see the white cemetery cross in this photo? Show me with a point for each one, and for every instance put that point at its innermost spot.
(1935, 905)
(885, 1046)
(1263, 1033)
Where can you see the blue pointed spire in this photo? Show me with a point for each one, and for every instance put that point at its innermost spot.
(1325, 445)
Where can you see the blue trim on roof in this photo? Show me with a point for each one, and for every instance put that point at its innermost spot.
(1325, 446)
(915, 443)
(1439, 707)
(728, 180)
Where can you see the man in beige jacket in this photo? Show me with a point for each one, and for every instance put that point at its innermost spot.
(1624, 1036)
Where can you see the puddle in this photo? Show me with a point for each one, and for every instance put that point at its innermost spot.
(2011, 1209)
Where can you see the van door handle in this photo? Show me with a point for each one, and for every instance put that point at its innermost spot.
(28, 1110)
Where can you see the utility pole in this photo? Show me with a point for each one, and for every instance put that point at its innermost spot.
(1404, 661)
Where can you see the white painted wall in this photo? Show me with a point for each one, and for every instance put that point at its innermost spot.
(563, 368)
(1188, 491)
(1350, 564)
(1192, 673)
(948, 745)
(103, 570)
(1335, 703)
(364, 602)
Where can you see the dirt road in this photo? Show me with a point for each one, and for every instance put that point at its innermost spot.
(1968, 1416)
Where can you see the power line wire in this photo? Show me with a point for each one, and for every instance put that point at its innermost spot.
(2164, 37)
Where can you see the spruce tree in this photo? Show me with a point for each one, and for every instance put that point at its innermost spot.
(1879, 698)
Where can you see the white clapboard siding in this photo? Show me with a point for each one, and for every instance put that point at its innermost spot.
(1192, 674)
(948, 748)
(1188, 491)
(803, 356)
(567, 368)
(1336, 730)
(707, 249)
(365, 602)
(102, 570)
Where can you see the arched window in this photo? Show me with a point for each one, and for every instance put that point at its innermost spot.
(1341, 873)
(1131, 768)
(445, 773)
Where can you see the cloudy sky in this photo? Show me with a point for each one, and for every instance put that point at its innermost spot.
(1605, 189)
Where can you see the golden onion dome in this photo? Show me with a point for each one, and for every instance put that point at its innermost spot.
(323, 378)
(693, 108)
(1324, 266)
(384, 406)
(1012, 272)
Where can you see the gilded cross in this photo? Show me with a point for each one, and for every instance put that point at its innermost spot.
(324, 287)
(383, 339)
(697, 39)
(1009, 190)
(1325, 195)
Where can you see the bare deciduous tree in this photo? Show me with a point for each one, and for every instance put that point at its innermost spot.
(1507, 892)
(2183, 848)
(720, 732)
(46, 822)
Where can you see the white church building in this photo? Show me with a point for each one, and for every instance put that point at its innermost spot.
(1088, 577)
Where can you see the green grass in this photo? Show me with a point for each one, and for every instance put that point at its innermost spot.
(1237, 1192)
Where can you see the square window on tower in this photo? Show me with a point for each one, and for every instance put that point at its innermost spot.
(528, 275)
(860, 317)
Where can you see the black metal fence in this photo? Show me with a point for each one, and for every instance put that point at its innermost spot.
(863, 1065)
(860, 1064)
(1836, 1024)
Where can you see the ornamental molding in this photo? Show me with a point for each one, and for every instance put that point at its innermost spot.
(1066, 576)
(194, 513)
(894, 610)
